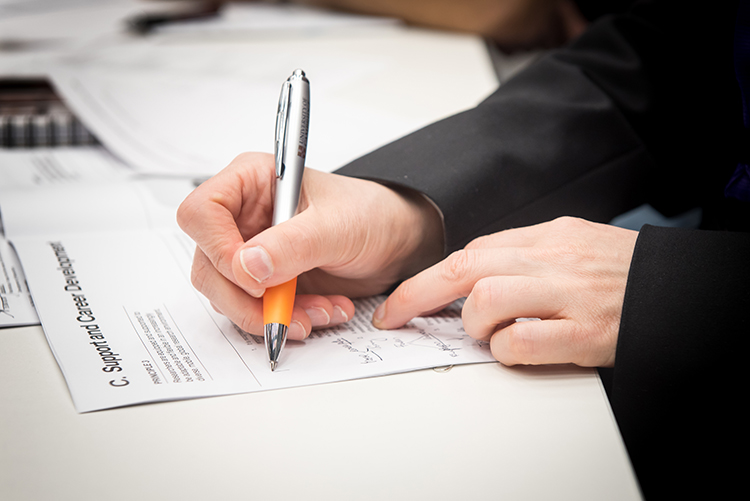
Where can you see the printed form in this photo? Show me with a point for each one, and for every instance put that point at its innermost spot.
(26, 169)
(109, 272)
(16, 306)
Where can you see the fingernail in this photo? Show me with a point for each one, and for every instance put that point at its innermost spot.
(318, 316)
(339, 316)
(297, 331)
(257, 263)
(378, 314)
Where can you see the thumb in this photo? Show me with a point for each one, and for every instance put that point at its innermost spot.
(283, 252)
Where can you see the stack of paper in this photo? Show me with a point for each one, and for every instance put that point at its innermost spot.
(109, 272)
(105, 262)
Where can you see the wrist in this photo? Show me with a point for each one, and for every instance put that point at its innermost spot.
(423, 232)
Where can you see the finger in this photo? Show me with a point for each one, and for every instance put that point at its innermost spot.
(325, 311)
(448, 280)
(225, 297)
(243, 310)
(310, 311)
(548, 342)
(210, 214)
(500, 300)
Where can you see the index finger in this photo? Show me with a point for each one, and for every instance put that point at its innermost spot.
(450, 279)
(216, 214)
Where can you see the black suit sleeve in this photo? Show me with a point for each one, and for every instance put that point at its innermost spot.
(565, 137)
(618, 118)
(640, 108)
(676, 388)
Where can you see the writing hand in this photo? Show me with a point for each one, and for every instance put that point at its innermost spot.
(569, 273)
(350, 238)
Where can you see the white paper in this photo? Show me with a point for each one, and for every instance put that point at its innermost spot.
(176, 108)
(130, 204)
(29, 168)
(71, 22)
(35, 34)
(45, 169)
(127, 327)
(16, 306)
(171, 108)
(110, 276)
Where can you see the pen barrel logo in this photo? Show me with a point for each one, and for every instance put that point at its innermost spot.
(302, 148)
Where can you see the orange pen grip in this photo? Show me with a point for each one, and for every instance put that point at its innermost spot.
(278, 303)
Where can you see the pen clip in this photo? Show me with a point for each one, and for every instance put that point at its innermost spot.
(282, 118)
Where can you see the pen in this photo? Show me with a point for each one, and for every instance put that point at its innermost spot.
(292, 120)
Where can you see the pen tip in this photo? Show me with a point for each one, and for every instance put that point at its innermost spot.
(273, 365)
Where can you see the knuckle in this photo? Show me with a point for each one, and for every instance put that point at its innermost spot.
(215, 257)
(487, 294)
(565, 227)
(186, 212)
(456, 266)
(247, 321)
(198, 276)
(567, 223)
(522, 348)
(406, 293)
(243, 158)
(479, 242)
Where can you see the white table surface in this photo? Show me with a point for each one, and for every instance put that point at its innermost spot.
(475, 432)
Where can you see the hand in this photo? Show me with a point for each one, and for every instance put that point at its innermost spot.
(350, 238)
(569, 273)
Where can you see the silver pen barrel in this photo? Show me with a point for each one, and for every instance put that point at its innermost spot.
(291, 144)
